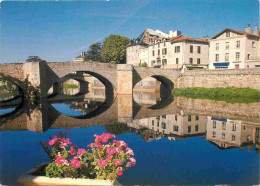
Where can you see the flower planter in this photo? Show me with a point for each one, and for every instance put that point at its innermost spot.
(31, 178)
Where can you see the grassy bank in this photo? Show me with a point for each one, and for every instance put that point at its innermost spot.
(228, 94)
(70, 86)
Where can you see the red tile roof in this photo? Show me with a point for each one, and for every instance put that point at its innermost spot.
(235, 31)
(186, 38)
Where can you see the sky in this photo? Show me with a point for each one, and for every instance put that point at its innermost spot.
(60, 30)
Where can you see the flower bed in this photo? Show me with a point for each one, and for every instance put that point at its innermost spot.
(104, 160)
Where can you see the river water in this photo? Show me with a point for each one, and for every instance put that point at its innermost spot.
(175, 140)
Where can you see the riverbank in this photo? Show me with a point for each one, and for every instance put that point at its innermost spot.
(228, 94)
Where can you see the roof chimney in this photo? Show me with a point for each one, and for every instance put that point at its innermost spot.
(82, 54)
(248, 29)
(256, 31)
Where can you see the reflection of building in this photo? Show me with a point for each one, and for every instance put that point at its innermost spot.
(176, 125)
(227, 133)
(235, 49)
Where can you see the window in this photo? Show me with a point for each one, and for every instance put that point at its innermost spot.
(198, 61)
(152, 62)
(238, 44)
(248, 56)
(236, 66)
(164, 116)
(244, 127)
(214, 124)
(152, 122)
(233, 137)
(158, 52)
(191, 60)
(223, 145)
(158, 44)
(189, 128)
(164, 51)
(237, 56)
(227, 34)
(217, 46)
(164, 43)
(163, 125)
(177, 49)
(199, 49)
(253, 44)
(213, 134)
(153, 52)
(227, 45)
(176, 117)
(177, 61)
(158, 123)
(164, 62)
(226, 56)
(197, 128)
(223, 136)
(191, 49)
(189, 117)
(153, 46)
(216, 57)
(175, 128)
(197, 118)
(234, 127)
(223, 125)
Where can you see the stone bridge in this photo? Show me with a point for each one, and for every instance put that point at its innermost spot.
(117, 78)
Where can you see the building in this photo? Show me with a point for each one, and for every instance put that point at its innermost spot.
(226, 133)
(137, 52)
(234, 49)
(179, 52)
(171, 51)
(80, 58)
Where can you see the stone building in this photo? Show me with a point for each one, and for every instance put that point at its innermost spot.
(226, 133)
(179, 52)
(80, 58)
(234, 49)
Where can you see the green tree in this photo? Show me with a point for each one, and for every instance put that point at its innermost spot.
(34, 59)
(94, 52)
(113, 49)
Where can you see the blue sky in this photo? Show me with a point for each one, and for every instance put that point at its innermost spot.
(60, 30)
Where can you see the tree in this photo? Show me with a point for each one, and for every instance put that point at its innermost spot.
(113, 49)
(34, 59)
(94, 52)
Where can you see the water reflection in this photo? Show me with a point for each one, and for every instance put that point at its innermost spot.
(162, 130)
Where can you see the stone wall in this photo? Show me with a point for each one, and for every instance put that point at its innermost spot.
(237, 111)
(220, 78)
(14, 70)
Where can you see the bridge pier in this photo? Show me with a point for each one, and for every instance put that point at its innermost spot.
(124, 79)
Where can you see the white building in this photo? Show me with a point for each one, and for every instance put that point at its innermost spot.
(234, 49)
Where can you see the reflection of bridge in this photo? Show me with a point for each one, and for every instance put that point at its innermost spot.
(118, 79)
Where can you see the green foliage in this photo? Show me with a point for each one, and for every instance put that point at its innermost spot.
(228, 94)
(113, 49)
(143, 64)
(70, 86)
(117, 128)
(34, 59)
(94, 52)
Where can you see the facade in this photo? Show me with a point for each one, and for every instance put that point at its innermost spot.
(179, 52)
(226, 133)
(234, 49)
(80, 58)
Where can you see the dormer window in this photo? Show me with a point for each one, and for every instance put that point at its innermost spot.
(227, 34)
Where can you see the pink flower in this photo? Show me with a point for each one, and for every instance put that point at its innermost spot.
(75, 163)
(133, 161)
(104, 137)
(63, 145)
(111, 151)
(66, 163)
(66, 140)
(86, 164)
(81, 151)
(117, 162)
(95, 144)
(109, 158)
(102, 163)
(119, 171)
(129, 164)
(60, 160)
(130, 151)
(72, 151)
(52, 141)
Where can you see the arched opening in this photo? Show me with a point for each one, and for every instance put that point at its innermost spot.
(95, 95)
(153, 92)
